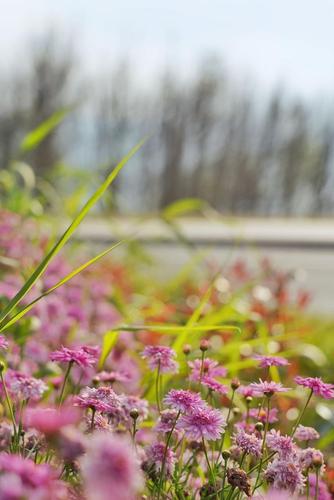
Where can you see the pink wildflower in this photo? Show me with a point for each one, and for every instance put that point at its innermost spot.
(50, 420)
(306, 433)
(202, 423)
(317, 386)
(323, 493)
(3, 342)
(183, 400)
(248, 443)
(214, 385)
(110, 469)
(102, 399)
(161, 357)
(155, 456)
(133, 402)
(166, 421)
(83, 356)
(211, 368)
(285, 475)
(265, 388)
(111, 377)
(24, 387)
(283, 445)
(246, 391)
(267, 361)
(309, 457)
(263, 416)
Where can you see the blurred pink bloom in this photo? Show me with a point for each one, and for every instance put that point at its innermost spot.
(156, 453)
(50, 420)
(267, 361)
(110, 469)
(211, 368)
(183, 400)
(161, 357)
(267, 388)
(306, 433)
(102, 399)
(22, 386)
(3, 342)
(83, 356)
(317, 386)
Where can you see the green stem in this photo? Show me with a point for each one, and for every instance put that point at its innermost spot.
(61, 397)
(208, 463)
(9, 404)
(165, 454)
(92, 420)
(301, 414)
(221, 446)
(157, 388)
(263, 445)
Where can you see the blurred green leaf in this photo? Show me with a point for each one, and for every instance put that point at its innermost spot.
(36, 136)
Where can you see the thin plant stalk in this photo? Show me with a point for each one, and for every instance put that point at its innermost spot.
(9, 403)
(67, 374)
(302, 413)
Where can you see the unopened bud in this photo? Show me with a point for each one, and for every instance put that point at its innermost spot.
(235, 384)
(204, 345)
(186, 349)
(249, 399)
(134, 413)
(259, 426)
(226, 455)
(2, 366)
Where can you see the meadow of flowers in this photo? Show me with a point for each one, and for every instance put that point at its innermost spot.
(116, 386)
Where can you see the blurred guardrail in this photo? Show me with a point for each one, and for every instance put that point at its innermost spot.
(304, 246)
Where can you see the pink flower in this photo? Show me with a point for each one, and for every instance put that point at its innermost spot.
(102, 399)
(202, 423)
(283, 445)
(84, 356)
(23, 387)
(183, 400)
(263, 416)
(285, 475)
(246, 391)
(248, 443)
(3, 342)
(22, 478)
(267, 361)
(110, 469)
(161, 357)
(214, 385)
(267, 388)
(317, 386)
(155, 455)
(308, 457)
(166, 421)
(306, 433)
(210, 368)
(50, 420)
(111, 377)
(323, 493)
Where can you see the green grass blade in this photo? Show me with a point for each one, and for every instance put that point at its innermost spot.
(36, 136)
(66, 236)
(109, 340)
(176, 329)
(60, 283)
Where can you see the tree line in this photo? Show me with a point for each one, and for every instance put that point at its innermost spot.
(211, 135)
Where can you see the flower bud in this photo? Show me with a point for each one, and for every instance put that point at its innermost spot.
(134, 413)
(226, 455)
(2, 366)
(249, 399)
(186, 349)
(235, 384)
(204, 345)
(259, 426)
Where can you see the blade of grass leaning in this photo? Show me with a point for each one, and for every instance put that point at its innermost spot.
(60, 283)
(66, 236)
(109, 340)
(36, 136)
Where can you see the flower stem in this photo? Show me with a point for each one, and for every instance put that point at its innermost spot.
(301, 414)
(221, 446)
(9, 403)
(163, 464)
(61, 397)
(263, 445)
(157, 395)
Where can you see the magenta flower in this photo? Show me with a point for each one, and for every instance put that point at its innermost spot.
(161, 357)
(285, 475)
(102, 399)
(166, 421)
(246, 391)
(23, 387)
(211, 368)
(50, 420)
(214, 385)
(267, 361)
(265, 388)
(83, 356)
(306, 433)
(263, 416)
(283, 445)
(317, 386)
(323, 492)
(183, 400)
(22, 478)
(248, 443)
(308, 457)
(3, 342)
(130, 403)
(110, 469)
(155, 456)
(202, 423)
(111, 377)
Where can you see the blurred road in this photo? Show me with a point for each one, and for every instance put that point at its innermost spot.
(304, 246)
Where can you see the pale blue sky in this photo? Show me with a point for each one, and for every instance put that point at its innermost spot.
(273, 41)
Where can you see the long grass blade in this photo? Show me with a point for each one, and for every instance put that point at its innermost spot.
(66, 236)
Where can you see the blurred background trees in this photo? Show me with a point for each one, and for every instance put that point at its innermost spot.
(212, 136)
